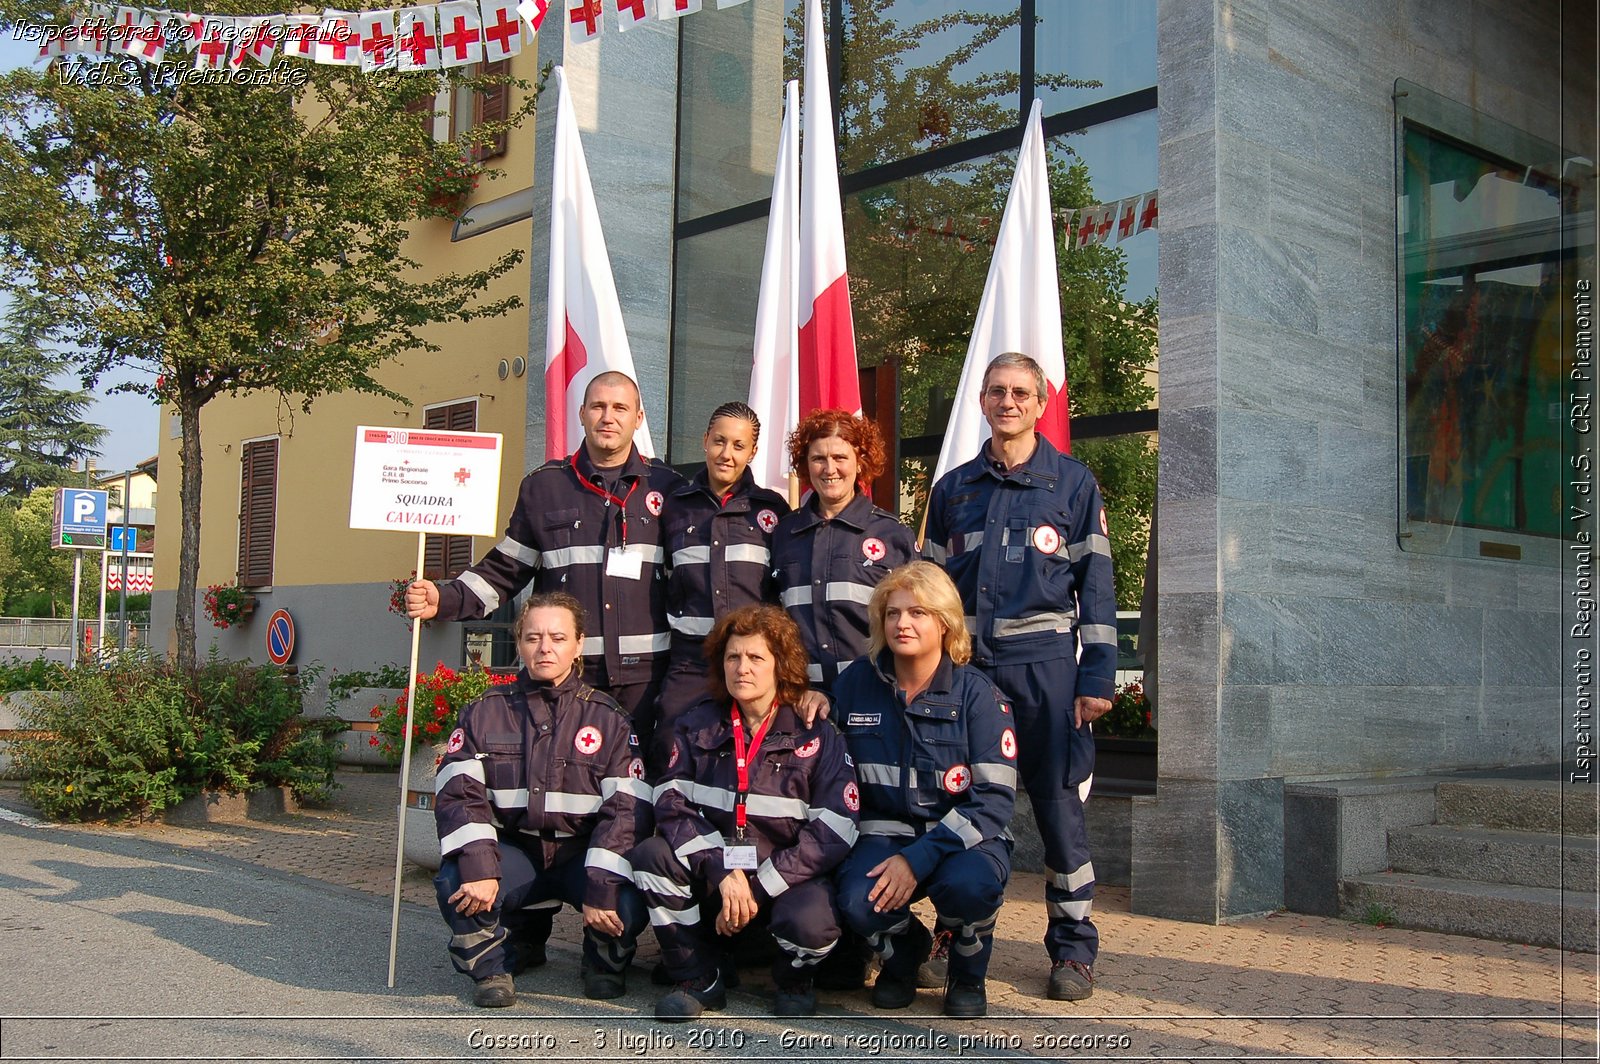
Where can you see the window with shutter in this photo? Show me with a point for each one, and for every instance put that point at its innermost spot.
(444, 557)
(493, 105)
(258, 511)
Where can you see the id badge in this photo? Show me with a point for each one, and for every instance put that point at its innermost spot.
(742, 857)
(624, 563)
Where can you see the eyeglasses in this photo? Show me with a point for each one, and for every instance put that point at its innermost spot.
(997, 394)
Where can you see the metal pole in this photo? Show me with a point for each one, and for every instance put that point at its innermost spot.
(122, 607)
(405, 772)
(100, 644)
(72, 633)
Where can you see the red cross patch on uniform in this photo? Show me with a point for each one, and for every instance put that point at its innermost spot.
(1047, 539)
(872, 549)
(636, 768)
(1105, 529)
(957, 779)
(808, 749)
(852, 797)
(454, 743)
(653, 502)
(1008, 744)
(672, 758)
(588, 740)
(767, 520)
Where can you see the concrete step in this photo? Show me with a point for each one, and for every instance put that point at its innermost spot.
(1493, 855)
(1538, 916)
(1520, 805)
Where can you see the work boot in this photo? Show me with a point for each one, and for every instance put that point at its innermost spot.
(660, 976)
(691, 998)
(896, 986)
(1070, 981)
(495, 992)
(524, 953)
(965, 1000)
(893, 992)
(795, 998)
(601, 985)
(845, 966)
(935, 971)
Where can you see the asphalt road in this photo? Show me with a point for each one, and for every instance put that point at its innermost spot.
(121, 948)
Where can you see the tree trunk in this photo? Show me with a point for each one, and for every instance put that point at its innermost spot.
(189, 542)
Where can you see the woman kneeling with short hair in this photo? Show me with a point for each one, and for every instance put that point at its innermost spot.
(754, 811)
(935, 750)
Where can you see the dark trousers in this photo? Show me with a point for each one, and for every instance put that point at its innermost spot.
(638, 700)
(528, 894)
(1054, 758)
(966, 888)
(683, 688)
(683, 913)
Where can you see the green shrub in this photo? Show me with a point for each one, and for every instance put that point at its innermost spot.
(139, 735)
(35, 674)
(343, 684)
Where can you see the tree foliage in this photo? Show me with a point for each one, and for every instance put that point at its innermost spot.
(33, 572)
(229, 238)
(42, 431)
(919, 248)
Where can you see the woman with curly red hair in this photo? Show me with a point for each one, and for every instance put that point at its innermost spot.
(828, 555)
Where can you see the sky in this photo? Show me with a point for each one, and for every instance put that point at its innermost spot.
(131, 421)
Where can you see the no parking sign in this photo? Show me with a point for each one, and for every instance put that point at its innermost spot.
(280, 637)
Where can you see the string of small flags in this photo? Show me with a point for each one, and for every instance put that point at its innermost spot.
(424, 37)
(1102, 223)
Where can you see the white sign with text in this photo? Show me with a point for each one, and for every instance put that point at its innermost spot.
(410, 480)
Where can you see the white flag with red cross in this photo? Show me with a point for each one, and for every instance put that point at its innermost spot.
(583, 18)
(827, 346)
(774, 379)
(182, 28)
(339, 43)
(416, 38)
(1127, 215)
(300, 35)
(259, 41)
(1020, 309)
(379, 44)
(89, 34)
(584, 335)
(460, 33)
(533, 13)
(669, 9)
(632, 12)
(124, 26)
(1149, 213)
(502, 30)
(217, 37)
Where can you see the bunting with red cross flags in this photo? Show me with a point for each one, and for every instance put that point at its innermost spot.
(216, 43)
(502, 30)
(632, 12)
(258, 42)
(584, 18)
(88, 36)
(338, 44)
(417, 38)
(533, 13)
(379, 48)
(460, 33)
(300, 35)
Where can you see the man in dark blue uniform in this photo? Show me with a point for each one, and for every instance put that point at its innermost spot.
(1021, 529)
(589, 525)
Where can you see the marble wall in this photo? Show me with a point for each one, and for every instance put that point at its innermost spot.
(1298, 642)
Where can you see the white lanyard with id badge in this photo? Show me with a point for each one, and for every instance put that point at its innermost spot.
(620, 561)
(741, 853)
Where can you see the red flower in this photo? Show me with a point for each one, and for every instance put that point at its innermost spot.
(377, 713)
(433, 728)
(441, 711)
(441, 703)
(372, 741)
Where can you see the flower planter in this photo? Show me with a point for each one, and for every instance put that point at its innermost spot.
(1133, 760)
(356, 742)
(422, 835)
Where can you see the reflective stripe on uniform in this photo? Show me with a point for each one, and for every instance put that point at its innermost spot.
(654, 643)
(692, 556)
(753, 553)
(518, 551)
(649, 881)
(578, 804)
(1098, 633)
(814, 672)
(1083, 874)
(584, 554)
(710, 841)
(970, 836)
(699, 627)
(464, 834)
(480, 587)
(1091, 544)
(600, 857)
(887, 827)
(1040, 622)
(472, 769)
(1071, 910)
(846, 591)
(626, 784)
(870, 772)
(841, 826)
(795, 596)
(993, 773)
(516, 798)
(934, 553)
(773, 883)
(660, 915)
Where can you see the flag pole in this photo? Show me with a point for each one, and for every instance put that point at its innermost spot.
(405, 772)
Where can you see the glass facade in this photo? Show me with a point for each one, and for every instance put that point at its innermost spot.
(928, 104)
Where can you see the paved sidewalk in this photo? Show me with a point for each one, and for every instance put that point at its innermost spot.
(1280, 985)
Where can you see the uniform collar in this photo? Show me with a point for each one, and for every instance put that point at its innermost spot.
(634, 466)
(548, 691)
(1043, 467)
(701, 483)
(854, 514)
(943, 681)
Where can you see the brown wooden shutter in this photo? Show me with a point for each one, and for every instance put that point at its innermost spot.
(494, 105)
(444, 557)
(258, 512)
(423, 108)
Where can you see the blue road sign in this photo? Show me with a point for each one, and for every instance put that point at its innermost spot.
(114, 544)
(280, 637)
(83, 511)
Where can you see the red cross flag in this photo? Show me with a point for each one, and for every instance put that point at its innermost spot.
(259, 41)
(827, 343)
(1127, 214)
(90, 33)
(502, 32)
(632, 12)
(584, 18)
(669, 9)
(417, 37)
(774, 381)
(584, 334)
(1149, 215)
(533, 13)
(52, 46)
(183, 28)
(460, 33)
(338, 44)
(124, 25)
(300, 34)
(217, 38)
(1108, 218)
(379, 46)
(1020, 309)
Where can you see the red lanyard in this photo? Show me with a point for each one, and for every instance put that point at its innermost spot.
(742, 760)
(622, 503)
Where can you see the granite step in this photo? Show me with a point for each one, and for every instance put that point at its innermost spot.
(1495, 855)
(1520, 805)
(1538, 916)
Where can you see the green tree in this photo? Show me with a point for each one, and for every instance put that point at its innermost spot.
(42, 431)
(229, 238)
